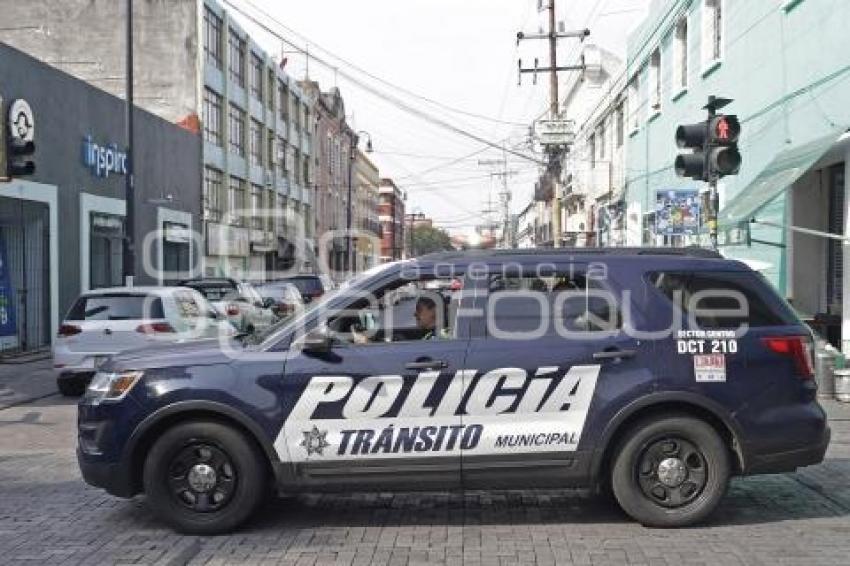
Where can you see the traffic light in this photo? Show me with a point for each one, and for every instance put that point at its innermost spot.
(715, 148)
(19, 140)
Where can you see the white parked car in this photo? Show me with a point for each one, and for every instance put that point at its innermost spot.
(239, 301)
(104, 322)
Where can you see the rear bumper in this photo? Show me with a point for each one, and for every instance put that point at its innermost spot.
(109, 476)
(790, 460)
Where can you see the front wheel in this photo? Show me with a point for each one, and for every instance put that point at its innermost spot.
(204, 477)
(670, 471)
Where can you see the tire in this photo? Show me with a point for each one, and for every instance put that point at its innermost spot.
(186, 500)
(71, 386)
(680, 447)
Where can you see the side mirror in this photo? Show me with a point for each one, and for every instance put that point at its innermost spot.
(268, 303)
(317, 341)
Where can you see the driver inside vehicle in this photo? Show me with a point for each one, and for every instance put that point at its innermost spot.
(428, 326)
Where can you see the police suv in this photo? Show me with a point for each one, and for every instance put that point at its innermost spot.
(652, 374)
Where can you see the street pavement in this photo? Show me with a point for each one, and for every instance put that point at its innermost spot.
(49, 516)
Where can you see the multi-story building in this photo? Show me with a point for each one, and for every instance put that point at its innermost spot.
(335, 143)
(784, 64)
(367, 181)
(391, 217)
(196, 66)
(62, 228)
(595, 165)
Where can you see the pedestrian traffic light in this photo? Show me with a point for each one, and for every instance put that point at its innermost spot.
(19, 140)
(714, 145)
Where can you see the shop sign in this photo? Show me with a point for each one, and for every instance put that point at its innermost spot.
(104, 160)
(176, 233)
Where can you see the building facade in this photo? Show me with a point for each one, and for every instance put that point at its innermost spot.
(62, 228)
(368, 237)
(784, 65)
(594, 168)
(196, 67)
(391, 216)
(334, 164)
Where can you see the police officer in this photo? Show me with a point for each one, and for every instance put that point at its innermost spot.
(426, 318)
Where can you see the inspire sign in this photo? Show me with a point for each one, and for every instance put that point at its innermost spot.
(104, 159)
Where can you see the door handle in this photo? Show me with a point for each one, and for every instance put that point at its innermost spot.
(427, 364)
(614, 354)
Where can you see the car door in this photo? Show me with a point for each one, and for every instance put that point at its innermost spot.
(377, 415)
(551, 364)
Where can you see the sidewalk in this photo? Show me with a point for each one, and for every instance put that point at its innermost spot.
(27, 381)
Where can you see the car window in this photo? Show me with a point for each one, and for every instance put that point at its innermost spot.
(534, 305)
(724, 292)
(216, 292)
(118, 306)
(404, 311)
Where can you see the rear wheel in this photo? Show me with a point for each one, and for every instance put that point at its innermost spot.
(71, 386)
(670, 471)
(204, 477)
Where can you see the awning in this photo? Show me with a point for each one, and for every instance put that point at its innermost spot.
(781, 173)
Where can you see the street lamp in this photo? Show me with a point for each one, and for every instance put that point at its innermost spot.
(354, 139)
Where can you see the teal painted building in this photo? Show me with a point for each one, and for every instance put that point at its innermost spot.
(786, 64)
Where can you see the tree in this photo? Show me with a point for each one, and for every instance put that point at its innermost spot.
(427, 239)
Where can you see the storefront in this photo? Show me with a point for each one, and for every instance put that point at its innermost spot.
(67, 221)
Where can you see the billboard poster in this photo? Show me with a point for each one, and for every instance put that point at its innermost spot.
(677, 212)
(8, 327)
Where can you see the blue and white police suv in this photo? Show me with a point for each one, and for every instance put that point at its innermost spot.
(655, 374)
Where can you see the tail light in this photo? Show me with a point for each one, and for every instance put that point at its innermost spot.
(66, 330)
(232, 310)
(799, 348)
(155, 328)
(315, 294)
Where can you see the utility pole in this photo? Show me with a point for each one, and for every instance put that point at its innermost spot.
(555, 152)
(505, 195)
(129, 267)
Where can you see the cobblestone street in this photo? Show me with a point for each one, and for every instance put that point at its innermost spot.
(49, 516)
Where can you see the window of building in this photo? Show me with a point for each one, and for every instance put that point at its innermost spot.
(283, 101)
(256, 207)
(256, 76)
(270, 88)
(602, 133)
(296, 161)
(270, 149)
(212, 117)
(281, 156)
(212, 38)
(236, 130)
(236, 47)
(306, 170)
(634, 103)
(680, 57)
(655, 83)
(256, 138)
(591, 149)
(619, 119)
(212, 194)
(235, 200)
(712, 34)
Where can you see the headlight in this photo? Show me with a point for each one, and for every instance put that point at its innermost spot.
(111, 386)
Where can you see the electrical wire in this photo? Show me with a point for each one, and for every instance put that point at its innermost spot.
(367, 73)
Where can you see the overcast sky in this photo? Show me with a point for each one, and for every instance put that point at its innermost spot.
(460, 53)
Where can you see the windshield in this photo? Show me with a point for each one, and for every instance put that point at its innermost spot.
(270, 335)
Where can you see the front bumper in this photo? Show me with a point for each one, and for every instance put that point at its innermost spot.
(111, 476)
(790, 460)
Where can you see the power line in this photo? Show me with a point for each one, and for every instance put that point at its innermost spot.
(370, 75)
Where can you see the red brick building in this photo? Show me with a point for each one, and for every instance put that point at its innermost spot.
(391, 216)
